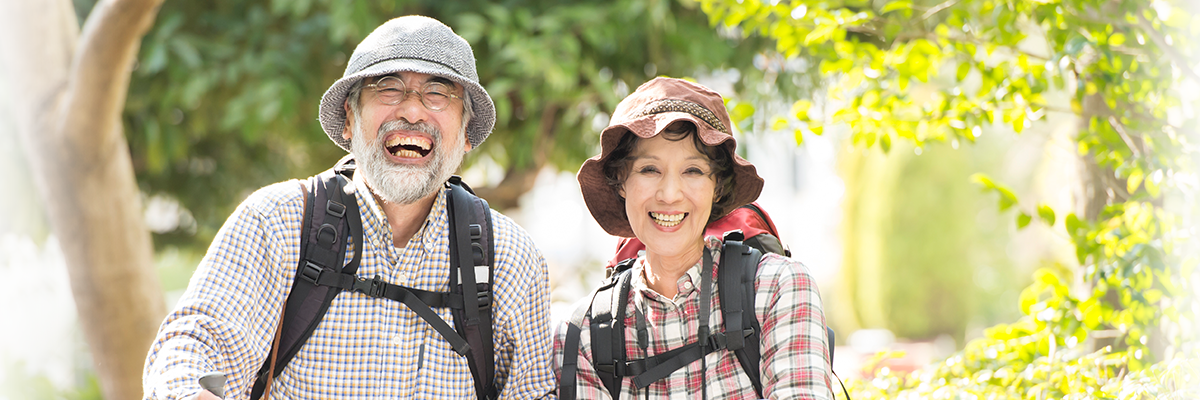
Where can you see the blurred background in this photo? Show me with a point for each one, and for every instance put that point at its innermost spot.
(948, 172)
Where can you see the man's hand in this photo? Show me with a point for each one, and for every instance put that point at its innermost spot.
(206, 395)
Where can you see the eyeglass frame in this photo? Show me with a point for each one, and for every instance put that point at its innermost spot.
(420, 94)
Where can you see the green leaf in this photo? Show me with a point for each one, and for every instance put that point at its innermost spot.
(1023, 220)
(800, 109)
(1152, 187)
(1075, 45)
(896, 5)
(1007, 198)
(885, 143)
(741, 112)
(1134, 180)
(778, 124)
(799, 133)
(1116, 39)
(1073, 224)
(963, 70)
(1046, 213)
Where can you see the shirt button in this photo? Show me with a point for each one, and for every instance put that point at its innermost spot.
(398, 340)
(687, 285)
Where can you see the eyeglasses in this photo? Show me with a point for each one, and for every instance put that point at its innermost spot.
(435, 96)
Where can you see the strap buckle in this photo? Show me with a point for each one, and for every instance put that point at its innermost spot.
(373, 287)
(485, 299)
(311, 272)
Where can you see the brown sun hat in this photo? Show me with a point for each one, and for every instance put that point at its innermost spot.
(650, 109)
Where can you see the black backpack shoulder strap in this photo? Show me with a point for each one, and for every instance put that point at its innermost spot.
(607, 328)
(569, 375)
(472, 264)
(735, 282)
(331, 220)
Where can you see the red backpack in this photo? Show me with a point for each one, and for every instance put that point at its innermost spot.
(755, 224)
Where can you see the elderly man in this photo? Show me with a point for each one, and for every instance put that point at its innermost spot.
(408, 108)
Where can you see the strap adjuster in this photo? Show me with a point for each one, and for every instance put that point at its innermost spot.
(373, 287)
(485, 299)
(311, 272)
(607, 368)
(717, 341)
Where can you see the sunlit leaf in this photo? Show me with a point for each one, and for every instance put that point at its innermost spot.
(741, 112)
(896, 5)
(1046, 214)
(1135, 180)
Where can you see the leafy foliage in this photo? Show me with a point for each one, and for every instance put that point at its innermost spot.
(1122, 67)
(224, 97)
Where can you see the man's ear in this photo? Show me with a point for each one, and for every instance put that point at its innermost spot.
(346, 131)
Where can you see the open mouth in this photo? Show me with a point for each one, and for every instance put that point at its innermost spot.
(409, 146)
(667, 220)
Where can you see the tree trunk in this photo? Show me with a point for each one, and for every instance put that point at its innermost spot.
(67, 91)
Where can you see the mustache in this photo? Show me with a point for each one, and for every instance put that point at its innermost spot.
(409, 126)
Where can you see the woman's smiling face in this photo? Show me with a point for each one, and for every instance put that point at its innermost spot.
(669, 195)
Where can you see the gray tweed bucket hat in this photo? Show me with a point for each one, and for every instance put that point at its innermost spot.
(416, 44)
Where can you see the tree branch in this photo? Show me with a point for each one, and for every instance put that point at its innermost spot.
(938, 8)
(1157, 37)
(1117, 126)
(101, 71)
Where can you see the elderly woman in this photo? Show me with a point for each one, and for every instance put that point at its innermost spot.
(667, 169)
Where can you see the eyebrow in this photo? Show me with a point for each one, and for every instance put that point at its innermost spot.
(441, 80)
(437, 79)
(700, 157)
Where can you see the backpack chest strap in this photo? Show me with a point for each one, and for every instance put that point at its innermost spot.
(417, 300)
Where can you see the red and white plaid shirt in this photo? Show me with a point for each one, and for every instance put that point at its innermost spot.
(795, 358)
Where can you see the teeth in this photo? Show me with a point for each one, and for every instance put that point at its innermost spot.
(407, 153)
(667, 220)
(421, 142)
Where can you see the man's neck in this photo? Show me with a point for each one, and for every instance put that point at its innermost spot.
(406, 219)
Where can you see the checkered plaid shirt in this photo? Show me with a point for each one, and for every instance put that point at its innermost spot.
(364, 348)
(795, 359)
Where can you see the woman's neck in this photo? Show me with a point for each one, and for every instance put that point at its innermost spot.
(663, 271)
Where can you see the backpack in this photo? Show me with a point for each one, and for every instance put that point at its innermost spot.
(332, 221)
(748, 232)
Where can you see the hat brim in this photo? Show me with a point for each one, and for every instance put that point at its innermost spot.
(607, 206)
(333, 114)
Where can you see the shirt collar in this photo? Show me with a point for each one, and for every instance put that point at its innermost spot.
(375, 224)
(690, 280)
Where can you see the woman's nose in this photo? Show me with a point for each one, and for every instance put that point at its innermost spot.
(669, 190)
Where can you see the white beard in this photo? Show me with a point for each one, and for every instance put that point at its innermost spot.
(399, 183)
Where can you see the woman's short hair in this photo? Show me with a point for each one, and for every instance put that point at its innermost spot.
(616, 170)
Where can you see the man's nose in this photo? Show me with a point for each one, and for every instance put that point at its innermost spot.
(410, 108)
